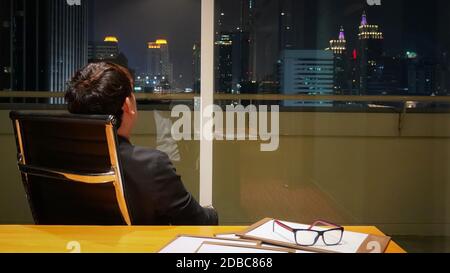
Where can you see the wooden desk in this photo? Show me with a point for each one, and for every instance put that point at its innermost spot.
(47, 239)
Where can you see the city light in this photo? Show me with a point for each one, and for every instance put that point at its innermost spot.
(153, 45)
(411, 55)
(161, 42)
(111, 39)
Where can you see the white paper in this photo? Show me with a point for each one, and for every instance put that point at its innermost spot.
(228, 236)
(296, 250)
(210, 248)
(188, 244)
(351, 241)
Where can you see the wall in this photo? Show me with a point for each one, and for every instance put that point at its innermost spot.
(353, 168)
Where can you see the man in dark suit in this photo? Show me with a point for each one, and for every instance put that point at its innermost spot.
(155, 193)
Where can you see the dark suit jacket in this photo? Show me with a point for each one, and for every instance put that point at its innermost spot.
(155, 193)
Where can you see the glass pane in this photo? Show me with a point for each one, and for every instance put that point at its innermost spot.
(43, 43)
(353, 99)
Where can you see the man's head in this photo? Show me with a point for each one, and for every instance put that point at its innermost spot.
(104, 89)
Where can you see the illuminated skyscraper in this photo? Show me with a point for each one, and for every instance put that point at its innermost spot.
(48, 43)
(158, 61)
(224, 67)
(369, 54)
(339, 46)
(108, 50)
(341, 64)
(307, 72)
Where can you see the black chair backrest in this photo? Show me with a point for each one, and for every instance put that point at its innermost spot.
(70, 169)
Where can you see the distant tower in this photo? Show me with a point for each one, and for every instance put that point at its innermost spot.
(364, 19)
(339, 48)
(158, 61)
(68, 42)
(49, 42)
(108, 50)
(307, 72)
(224, 65)
(369, 54)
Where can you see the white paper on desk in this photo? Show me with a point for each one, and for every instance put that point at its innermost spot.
(296, 250)
(212, 248)
(351, 241)
(228, 236)
(237, 237)
(188, 244)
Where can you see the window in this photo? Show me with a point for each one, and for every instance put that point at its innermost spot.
(358, 88)
(332, 109)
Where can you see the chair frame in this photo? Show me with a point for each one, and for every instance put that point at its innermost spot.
(113, 176)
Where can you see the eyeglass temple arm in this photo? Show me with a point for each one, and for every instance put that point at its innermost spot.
(323, 223)
(282, 225)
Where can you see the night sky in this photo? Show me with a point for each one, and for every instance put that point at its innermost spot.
(407, 25)
(136, 22)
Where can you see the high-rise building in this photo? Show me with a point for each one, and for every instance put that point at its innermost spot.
(298, 24)
(421, 74)
(339, 46)
(233, 66)
(224, 65)
(158, 61)
(108, 50)
(341, 64)
(235, 45)
(369, 55)
(307, 72)
(48, 43)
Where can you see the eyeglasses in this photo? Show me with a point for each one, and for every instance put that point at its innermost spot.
(310, 237)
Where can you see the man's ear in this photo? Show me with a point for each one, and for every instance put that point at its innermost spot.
(128, 106)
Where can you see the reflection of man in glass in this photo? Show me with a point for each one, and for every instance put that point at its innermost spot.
(164, 139)
(155, 193)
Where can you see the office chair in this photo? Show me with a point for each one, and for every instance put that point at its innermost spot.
(71, 169)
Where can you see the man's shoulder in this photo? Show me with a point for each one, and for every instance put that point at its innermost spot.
(129, 152)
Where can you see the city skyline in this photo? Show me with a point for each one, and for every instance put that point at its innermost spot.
(136, 24)
(413, 36)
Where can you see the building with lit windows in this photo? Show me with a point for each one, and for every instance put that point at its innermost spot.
(224, 66)
(341, 64)
(47, 44)
(339, 46)
(369, 56)
(158, 62)
(233, 69)
(108, 50)
(307, 72)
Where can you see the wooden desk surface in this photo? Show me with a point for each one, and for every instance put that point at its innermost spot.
(54, 239)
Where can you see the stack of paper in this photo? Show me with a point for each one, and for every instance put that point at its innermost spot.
(261, 238)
